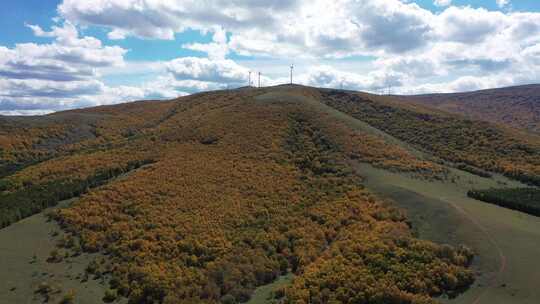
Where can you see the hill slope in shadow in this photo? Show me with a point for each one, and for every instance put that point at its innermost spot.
(518, 106)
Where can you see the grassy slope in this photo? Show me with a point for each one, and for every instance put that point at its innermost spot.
(264, 294)
(436, 210)
(504, 240)
(21, 274)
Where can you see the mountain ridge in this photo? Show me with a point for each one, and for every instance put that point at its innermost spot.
(516, 106)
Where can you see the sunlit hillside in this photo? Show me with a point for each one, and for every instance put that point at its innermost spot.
(206, 198)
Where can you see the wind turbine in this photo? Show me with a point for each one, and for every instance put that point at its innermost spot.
(249, 79)
(259, 79)
(388, 84)
(292, 68)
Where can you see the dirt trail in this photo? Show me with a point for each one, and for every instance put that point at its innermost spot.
(489, 238)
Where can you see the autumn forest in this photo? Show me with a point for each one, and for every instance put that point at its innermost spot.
(205, 198)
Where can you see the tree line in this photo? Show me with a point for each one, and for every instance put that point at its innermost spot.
(522, 199)
(32, 199)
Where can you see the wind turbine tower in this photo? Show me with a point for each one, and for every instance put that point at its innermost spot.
(259, 80)
(292, 68)
(249, 79)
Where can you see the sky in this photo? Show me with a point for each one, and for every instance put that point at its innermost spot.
(64, 54)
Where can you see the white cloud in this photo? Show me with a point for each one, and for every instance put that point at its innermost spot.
(63, 74)
(161, 19)
(469, 25)
(462, 84)
(327, 76)
(261, 27)
(410, 48)
(503, 3)
(285, 29)
(206, 70)
(218, 49)
(54, 74)
(69, 57)
(442, 2)
(25, 112)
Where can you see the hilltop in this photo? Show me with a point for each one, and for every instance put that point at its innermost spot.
(210, 197)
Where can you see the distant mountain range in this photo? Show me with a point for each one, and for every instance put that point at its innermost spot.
(517, 106)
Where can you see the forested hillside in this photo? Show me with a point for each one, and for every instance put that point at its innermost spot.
(452, 138)
(518, 107)
(29, 140)
(228, 191)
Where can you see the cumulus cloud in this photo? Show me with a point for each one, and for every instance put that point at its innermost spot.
(217, 49)
(298, 29)
(411, 49)
(442, 2)
(393, 26)
(25, 112)
(63, 74)
(161, 19)
(469, 25)
(261, 27)
(203, 69)
(68, 58)
(503, 3)
(461, 84)
(34, 75)
(327, 76)
(194, 74)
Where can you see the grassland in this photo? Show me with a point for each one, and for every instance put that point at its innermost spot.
(502, 239)
(28, 277)
(270, 293)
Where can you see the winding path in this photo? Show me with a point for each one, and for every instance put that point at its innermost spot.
(502, 258)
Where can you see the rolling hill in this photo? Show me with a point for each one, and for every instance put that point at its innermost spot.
(213, 197)
(517, 107)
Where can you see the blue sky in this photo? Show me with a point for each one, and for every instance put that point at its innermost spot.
(66, 54)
